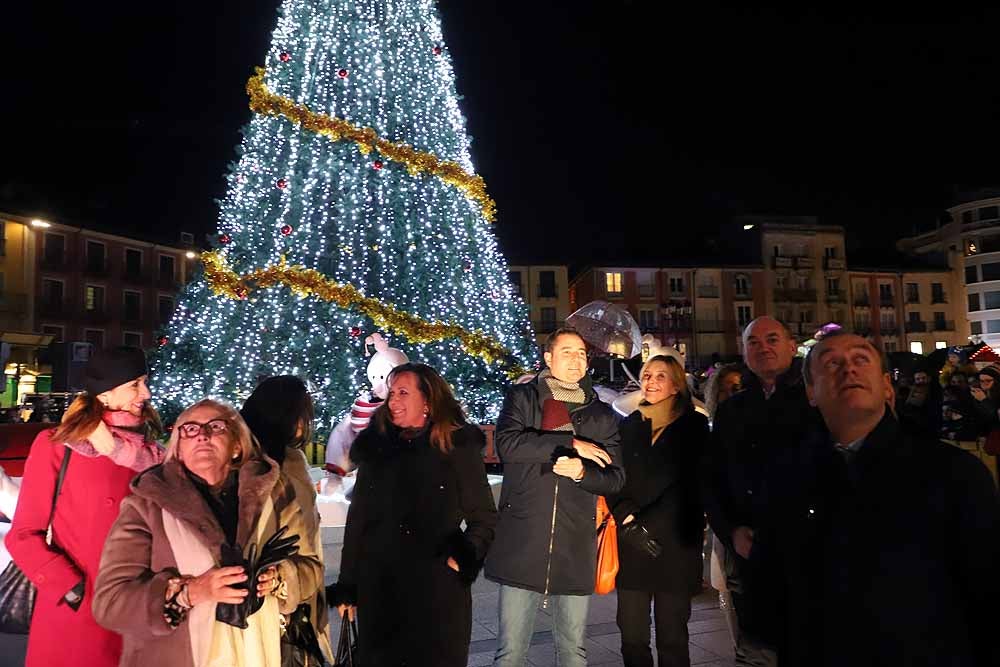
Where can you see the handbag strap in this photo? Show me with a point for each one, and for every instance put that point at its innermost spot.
(59, 483)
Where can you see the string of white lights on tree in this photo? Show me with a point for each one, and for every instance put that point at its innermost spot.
(407, 237)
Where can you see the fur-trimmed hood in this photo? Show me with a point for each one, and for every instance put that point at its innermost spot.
(168, 486)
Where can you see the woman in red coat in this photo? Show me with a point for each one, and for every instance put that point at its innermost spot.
(107, 433)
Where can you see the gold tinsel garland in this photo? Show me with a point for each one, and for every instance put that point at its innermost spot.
(263, 101)
(225, 282)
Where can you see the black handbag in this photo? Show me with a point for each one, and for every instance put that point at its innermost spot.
(17, 593)
(299, 645)
(347, 647)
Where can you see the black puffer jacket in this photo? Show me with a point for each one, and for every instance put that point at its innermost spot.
(546, 539)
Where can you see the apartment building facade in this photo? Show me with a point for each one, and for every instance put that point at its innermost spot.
(545, 290)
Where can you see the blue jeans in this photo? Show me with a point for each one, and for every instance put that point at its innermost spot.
(518, 608)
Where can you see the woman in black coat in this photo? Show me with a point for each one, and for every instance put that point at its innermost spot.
(660, 516)
(407, 566)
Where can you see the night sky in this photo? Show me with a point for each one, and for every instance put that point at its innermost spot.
(604, 130)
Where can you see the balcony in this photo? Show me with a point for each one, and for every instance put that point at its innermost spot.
(805, 263)
(95, 316)
(675, 325)
(742, 295)
(836, 296)
(710, 326)
(891, 330)
(55, 262)
(912, 297)
(886, 301)
(806, 328)
(834, 264)
(916, 326)
(943, 325)
(97, 268)
(861, 301)
(13, 303)
(708, 291)
(52, 307)
(781, 262)
(793, 295)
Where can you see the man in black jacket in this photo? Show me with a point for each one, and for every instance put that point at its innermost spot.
(750, 430)
(889, 541)
(559, 447)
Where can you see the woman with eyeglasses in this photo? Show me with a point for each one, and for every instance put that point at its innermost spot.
(280, 415)
(407, 564)
(106, 437)
(205, 555)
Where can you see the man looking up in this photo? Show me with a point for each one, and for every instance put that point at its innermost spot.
(770, 415)
(889, 540)
(559, 448)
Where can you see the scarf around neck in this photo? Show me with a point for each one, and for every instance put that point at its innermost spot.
(659, 414)
(567, 392)
(130, 450)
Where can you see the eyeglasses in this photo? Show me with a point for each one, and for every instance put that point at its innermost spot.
(210, 428)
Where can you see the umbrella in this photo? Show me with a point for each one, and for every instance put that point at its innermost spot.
(607, 327)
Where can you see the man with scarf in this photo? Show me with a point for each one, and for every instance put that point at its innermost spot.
(560, 449)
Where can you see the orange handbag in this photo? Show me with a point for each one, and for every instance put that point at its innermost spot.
(607, 549)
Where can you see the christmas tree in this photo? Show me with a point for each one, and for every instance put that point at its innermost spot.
(353, 208)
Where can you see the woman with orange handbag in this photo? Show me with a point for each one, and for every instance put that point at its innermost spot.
(659, 516)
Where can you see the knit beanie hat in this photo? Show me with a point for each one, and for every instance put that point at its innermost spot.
(106, 369)
(992, 371)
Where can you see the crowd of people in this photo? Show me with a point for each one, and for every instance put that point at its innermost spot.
(845, 531)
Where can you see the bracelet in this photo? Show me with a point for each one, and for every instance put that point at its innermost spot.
(177, 603)
(280, 591)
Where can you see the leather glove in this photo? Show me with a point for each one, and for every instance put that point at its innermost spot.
(635, 533)
(228, 613)
(276, 549)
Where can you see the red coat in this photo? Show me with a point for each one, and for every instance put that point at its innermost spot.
(87, 506)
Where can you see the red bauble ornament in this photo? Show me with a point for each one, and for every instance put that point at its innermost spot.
(281, 184)
(162, 340)
(286, 230)
(225, 239)
(242, 293)
(285, 56)
(342, 74)
(377, 164)
(437, 50)
(355, 332)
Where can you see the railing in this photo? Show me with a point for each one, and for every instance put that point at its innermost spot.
(676, 323)
(892, 330)
(915, 326)
(795, 295)
(97, 268)
(861, 302)
(708, 291)
(912, 297)
(710, 326)
(944, 325)
(781, 262)
(805, 263)
(806, 328)
(833, 263)
(836, 296)
(887, 301)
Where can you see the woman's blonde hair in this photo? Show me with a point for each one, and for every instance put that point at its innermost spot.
(86, 412)
(239, 432)
(682, 400)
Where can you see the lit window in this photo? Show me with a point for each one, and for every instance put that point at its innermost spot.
(614, 283)
(940, 344)
(916, 347)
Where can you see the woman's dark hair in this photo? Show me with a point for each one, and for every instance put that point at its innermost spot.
(444, 413)
(714, 386)
(280, 414)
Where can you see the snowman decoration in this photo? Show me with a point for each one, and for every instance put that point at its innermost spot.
(338, 447)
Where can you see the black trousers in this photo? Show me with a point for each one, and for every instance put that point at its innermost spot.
(671, 612)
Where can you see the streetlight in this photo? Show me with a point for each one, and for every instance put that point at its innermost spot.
(40, 223)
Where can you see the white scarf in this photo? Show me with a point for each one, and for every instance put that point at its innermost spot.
(215, 644)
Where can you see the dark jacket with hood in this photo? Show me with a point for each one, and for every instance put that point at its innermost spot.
(404, 523)
(749, 432)
(546, 539)
(889, 559)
